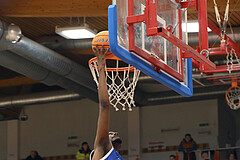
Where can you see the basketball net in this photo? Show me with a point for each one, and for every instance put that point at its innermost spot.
(121, 80)
(233, 95)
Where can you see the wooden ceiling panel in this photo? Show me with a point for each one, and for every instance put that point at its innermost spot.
(74, 8)
(37, 27)
(54, 8)
(222, 5)
(39, 18)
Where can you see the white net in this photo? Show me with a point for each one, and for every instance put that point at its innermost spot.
(233, 98)
(121, 80)
(230, 59)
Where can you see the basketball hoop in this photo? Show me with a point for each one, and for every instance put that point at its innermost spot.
(121, 80)
(233, 95)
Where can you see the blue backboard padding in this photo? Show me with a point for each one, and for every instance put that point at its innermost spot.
(145, 67)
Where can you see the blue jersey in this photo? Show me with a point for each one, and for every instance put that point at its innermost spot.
(111, 155)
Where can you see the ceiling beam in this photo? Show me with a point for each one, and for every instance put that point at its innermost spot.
(54, 8)
(16, 82)
(74, 8)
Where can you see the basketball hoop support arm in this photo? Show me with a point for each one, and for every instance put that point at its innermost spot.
(186, 48)
(200, 6)
(231, 42)
(151, 27)
(199, 61)
(203, 38)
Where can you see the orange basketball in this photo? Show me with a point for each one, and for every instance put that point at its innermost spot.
(101, 40)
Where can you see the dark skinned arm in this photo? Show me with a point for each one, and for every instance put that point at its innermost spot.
(102, 143)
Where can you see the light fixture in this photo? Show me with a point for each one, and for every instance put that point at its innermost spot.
(192, 27)
(78, 32)
(14, 33)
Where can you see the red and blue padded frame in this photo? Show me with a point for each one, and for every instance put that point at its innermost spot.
(145, 67)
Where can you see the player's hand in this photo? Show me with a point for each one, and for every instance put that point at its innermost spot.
(100, 52)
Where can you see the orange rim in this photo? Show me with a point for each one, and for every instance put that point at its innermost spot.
(111, 56)
(227, 97)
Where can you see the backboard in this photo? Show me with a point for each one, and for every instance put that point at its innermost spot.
(167, 16)
(131, 40)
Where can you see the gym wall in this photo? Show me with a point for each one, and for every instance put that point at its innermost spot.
(50, 125)
(169, 123)
(3, 140)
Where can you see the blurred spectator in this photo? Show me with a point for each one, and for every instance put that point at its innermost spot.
(137, 158)
(232, 156)
(34, 156)
(188, 146)
(84, 152)
(204, 155)
(172, 157)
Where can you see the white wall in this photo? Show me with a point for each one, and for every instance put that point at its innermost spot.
(12, 140)
(50, 125)
(3, 140)
(185, 116)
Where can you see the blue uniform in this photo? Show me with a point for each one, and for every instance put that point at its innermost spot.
(111, 155)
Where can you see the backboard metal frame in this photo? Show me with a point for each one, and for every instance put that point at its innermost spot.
(133, 59)
(204, 22)
(159, 70)
(150, 19)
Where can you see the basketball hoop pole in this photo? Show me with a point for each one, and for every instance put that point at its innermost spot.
(130, 27)
(203, 33)
(181, 38)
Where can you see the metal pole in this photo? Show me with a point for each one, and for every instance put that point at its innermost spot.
(203, 24)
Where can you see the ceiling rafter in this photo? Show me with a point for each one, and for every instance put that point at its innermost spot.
(54, 8)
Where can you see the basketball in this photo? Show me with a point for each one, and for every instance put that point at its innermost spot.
(101, 40)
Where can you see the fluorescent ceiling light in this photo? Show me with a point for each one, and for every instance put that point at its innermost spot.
(75, 32)
(192, 27)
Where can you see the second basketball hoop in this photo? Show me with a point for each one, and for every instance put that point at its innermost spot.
(233, 95)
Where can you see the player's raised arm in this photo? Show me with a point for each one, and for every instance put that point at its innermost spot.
(102, 143)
